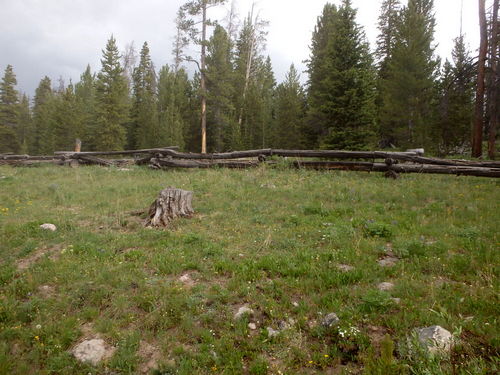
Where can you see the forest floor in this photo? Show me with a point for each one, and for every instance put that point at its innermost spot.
(291, 246)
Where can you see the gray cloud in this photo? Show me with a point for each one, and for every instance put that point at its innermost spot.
(60, 37)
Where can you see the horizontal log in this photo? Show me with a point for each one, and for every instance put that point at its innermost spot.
(30, 162)
(400, 168)
(110, 153)
(92, 160)
(171, 163)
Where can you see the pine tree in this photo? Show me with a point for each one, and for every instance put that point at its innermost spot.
(112, 101)
(341, 82)
(9, 112)
(144, 132)
(85, 93)
(290, 112)
(68, 119)
(174, 94)
(43, 108)
(196, 30)
(456, 105)
(25, 131)
(387, 25)
(407, 90)
(220, 92)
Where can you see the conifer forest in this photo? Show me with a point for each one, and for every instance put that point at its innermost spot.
(396, 94)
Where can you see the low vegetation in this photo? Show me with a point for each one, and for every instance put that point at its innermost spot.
(293, 246)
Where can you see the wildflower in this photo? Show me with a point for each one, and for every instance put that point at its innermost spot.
(326, 355)
(37, 338)
(310, 362)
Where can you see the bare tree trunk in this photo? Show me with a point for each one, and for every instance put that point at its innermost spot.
(493, 102)
(477, 133)
(170, 204)
(203, 83)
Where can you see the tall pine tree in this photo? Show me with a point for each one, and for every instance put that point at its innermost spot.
(9, 112)
(341, 82)
(112, 101)
(43, 121)
(407, 90)
(144, 132)
(85, 93)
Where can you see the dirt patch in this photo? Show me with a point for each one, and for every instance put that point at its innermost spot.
(46, 291)
(150, 356)
(52, 252)
(376, 335)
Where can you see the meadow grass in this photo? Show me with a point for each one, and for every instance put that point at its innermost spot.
(271, 239)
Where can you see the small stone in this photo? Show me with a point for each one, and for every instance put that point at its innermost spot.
(435, 338)
(243, 310)
(330, 320)
(345, 267)
(397, 301)
(252, 326)
(385, 286)
(388, 261)
(282, 325)
(48, 226)
(295, 304)
(271, 332)
(124, 169)
(92, 351)
(185, 278)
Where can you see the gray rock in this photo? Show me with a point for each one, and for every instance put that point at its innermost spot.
(48, 226)
(243, 310)
(435, 338)
(92, 351)
(345, 267)
(252, 326)
(385, 286)
(330, 320)
(271, 332)
(388, 261)
(397, 301)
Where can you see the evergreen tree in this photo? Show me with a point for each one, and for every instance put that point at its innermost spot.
(25, 131)
(290, 112)
(43, 108)
(67, 119)
(112, 101)
(144, 132)
(85, 93)
(387, 25)
(220, 92)
(407, 90)
(174, 94)
(341, 83)
(456, 107)
(9, 112)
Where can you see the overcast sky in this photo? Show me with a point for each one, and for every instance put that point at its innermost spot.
(60, 37)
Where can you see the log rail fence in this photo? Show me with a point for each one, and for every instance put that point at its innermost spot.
(391, 163)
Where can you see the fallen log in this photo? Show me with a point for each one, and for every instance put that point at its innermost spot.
(170, 204)
(31, 162)
(110, 153)
(92, 160)
(399, 168)
(171, 163)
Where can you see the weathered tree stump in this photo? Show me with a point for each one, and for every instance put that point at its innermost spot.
(170, 204)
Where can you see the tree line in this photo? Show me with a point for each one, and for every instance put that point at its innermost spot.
(400, 95)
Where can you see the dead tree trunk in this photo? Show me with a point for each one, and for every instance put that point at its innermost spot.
(477, 133)
(494, 83)
(170, 204)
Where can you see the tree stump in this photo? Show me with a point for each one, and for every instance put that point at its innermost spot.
(170, 204)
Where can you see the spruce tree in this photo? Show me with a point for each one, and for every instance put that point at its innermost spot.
(85, 92)
(456, 106)
(144, 132)
(408, 88)
(68, 119)
(9, 112)
(221, 116)
(290, 112)
(25, 131)
(112, 101)
(341, 82)
(174, 94)
(43, 121)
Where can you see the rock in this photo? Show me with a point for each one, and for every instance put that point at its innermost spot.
(435, 338)
(48, 226)
(124, 169)
(345, 267)
(271, 332)
(243, 310)
(252, 326)
(330, 320)
(284, 325)
(295, 304)
(92, 351)
(385, 286)
(388, 261)
(397, 301)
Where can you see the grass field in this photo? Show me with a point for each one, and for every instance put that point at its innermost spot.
(274, 240)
